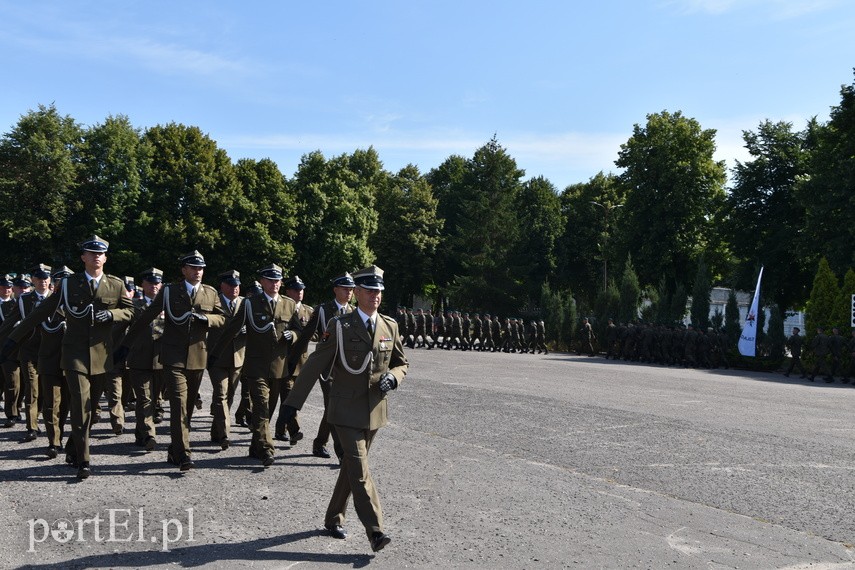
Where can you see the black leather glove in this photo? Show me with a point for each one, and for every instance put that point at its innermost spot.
(286, 336)
(387, 382)
(103, 316)
(8, 348)
(120, 355)
(199, 317)
(287, 413)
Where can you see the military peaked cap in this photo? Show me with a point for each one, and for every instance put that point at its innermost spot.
(272, 271)
(295, 283)
(95, 243)
(230, 277)
(345, 280)
(41, 271)
(370, 277)
(193, 259)
(152, 275)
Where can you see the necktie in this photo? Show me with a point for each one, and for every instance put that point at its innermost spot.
(232, 306)
(370, 327)
(193, 294)
(272, 306)
(341, 311)
(92, 286)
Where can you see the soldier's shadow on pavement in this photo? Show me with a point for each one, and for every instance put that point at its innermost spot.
(189, 557)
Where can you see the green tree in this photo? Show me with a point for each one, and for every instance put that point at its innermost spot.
(262, 220)
(335, 206)
(608, 303)
(678, 304)
(630, 293)
(775, 337)
(650, 304)
(765, 217)
(732, 324)
(533, 256)
(38, 184)
(663, 304)
(701, 297)
(844, 311)
(407, 239)
(676, 194)
(189, 184)
(484, 230)
(824, 298)
(586, 241)
(827, 195)
(108, 191)
(447, 182)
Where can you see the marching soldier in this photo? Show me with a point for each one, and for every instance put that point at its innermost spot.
(541, 337)
(819, 347)
(295, 289)
(270, 320)
(343, 286)
(225, 371)
(92, 301)
(190, 309)
(836, 346)
(54, 388)
(421, 334)
(587, 343)
(145, 369)
(362, 377)
(28, 351)
(496, 333)
(794, 344)
(11, 368)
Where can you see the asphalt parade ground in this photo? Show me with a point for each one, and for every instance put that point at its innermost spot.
(490, 461)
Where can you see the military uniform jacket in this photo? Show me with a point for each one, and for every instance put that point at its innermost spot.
(144, 354)
(356, 362)
(317, 325)
(50, 347)
(21, 307)
(297, 360)
(87, 346)
(266, 355)
(794, 343)
(229, 358)
(184, 340)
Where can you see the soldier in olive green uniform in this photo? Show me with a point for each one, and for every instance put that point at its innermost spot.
(11, 368)
(365, 353)
(794, 344)
(225, 371)
(54, 388)
(28, 351)
(271, 321)
(294, 288)
(10, 377)
(91, 301)
(191, 309)
(343, 286)
(819, 347)
(143, 362)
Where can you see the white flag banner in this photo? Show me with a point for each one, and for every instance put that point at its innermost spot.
(748, 338)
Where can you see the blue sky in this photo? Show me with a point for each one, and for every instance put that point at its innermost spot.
(560, 83)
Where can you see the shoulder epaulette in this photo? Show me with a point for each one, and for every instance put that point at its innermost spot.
(115, 279)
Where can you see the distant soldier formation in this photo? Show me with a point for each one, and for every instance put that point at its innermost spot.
(687, 346)
(457, 330)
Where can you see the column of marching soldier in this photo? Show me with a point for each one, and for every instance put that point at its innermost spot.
(77, 336)
(456, 330)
